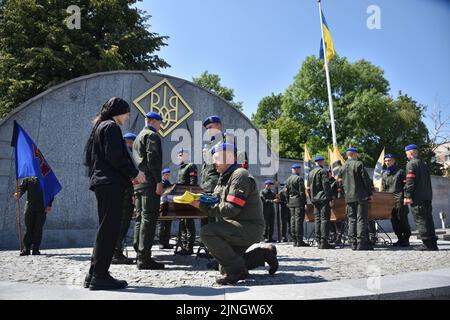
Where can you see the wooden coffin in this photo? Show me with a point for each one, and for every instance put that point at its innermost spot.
(169, 210)
(380, 208)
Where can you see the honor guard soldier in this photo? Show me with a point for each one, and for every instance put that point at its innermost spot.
(209, 174)
(296, 197)
(321, 197)
(147, 154)
(128, 209)
(285, 215)
(187, 175)
(268, 198)
(35, 214)
(165, 226)
(242, 223)
(418, 194)
(393, 180)
(357, 188)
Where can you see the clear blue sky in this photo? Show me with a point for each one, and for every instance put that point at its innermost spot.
(258, 46)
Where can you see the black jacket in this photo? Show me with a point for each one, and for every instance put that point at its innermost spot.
(112, 163)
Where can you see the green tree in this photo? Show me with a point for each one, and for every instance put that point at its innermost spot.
(211, 82)
(269, 108)
(366, 116)
(38, 50)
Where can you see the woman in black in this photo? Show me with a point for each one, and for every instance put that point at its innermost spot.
(111, 170)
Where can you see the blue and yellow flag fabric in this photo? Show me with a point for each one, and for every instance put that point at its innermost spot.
(308, 163)
(31, 163)
(377, 178)
(328, 41)
(336, 161)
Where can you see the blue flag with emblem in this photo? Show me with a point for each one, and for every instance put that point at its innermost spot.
(31, 163)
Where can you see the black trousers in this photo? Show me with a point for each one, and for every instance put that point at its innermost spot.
(400, 222)
(322, 214)
(34, 224)
(109, 204)
(127, 213)
(285, 222)
(269, 219)
(165, 227)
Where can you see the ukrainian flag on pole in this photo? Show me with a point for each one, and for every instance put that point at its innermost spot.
(328, 41)
(308, 164)
(377, 179)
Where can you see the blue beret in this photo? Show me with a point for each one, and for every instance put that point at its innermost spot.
(319, 158)
(296, 166)
(166, 170)
(389, 156)
(130, 136)
(268, 182)
(411, 147)
(352, 150)
(211, 119)
(153, 115)
(222, 147)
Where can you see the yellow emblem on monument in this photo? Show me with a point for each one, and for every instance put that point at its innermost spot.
(164, 99)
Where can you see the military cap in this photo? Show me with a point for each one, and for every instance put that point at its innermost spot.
(319, 158)
(153, 115)
(165, 170)
(211, 119)
(268, 182)
(389, 156)
(352, 150)
(411, 147)
(130, 136)
(296, 166)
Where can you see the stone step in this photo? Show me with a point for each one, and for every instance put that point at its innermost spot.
(438, 232)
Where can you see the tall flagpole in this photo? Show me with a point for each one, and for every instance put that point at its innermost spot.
(330, 100)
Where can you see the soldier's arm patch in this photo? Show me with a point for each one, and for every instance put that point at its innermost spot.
(235, 200)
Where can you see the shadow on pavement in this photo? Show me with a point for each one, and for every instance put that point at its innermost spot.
(190, 291)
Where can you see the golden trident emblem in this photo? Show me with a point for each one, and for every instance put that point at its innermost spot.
(164, 99)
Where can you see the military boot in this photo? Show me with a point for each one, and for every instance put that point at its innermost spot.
(106, 283)
(405, 242)
(325, 245)
(120, 258)
(25, 252)
(354, 246)
(147, 263)
(302, 243)
(364, 246)
(399, 242)
(36, 251)
(428, 245)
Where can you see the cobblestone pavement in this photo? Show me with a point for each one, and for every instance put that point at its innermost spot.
(297, 265)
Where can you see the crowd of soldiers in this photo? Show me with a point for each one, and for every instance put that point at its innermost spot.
(128, 180)
(410, 187)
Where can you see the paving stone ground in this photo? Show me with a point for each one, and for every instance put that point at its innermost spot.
(297, 265)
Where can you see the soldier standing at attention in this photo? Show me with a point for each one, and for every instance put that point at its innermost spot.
(128, 209)
(187, 175)
(242, 223)
(357, 188)
(165, 226)
(35, 214)
(418, 194)
(320, 193)
(296, 197)
(147, 154)
(285, 215)
(268, 198)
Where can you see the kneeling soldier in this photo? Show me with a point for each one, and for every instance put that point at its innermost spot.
(243, 222)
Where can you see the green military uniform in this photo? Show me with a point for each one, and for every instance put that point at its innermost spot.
(393, 180)
(128, 209)
(187, 174)
(296, 199)
(35, 214)
(267, 196)
(320, 194)
(336, 226)
(357, 188)
(242, 224)
(147, 155)
(285, 216)
(418, 188)
(165, 226)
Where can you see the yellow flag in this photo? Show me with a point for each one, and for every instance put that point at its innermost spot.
(329, 46)
(377, 178)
